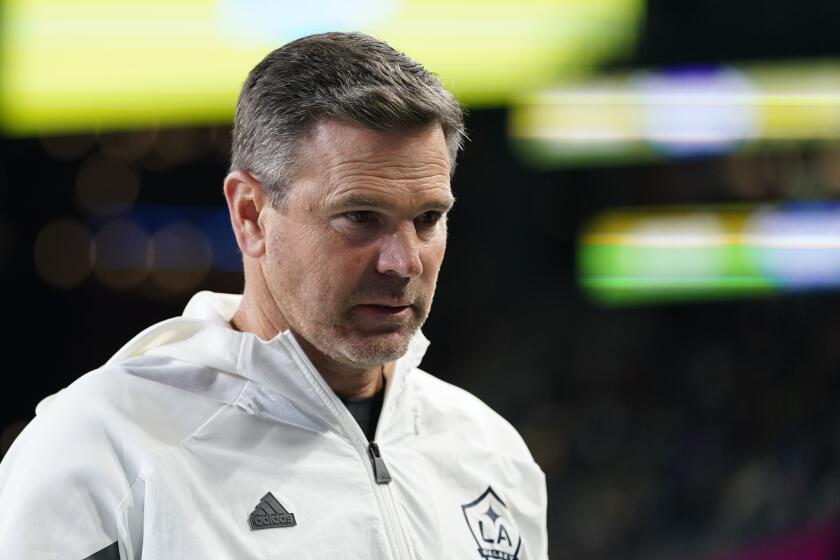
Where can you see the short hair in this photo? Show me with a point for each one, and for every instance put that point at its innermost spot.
(350, 77)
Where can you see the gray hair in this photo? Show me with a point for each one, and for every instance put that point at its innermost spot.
(350, 77)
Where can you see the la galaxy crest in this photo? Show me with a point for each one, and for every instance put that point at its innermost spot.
(492, 528)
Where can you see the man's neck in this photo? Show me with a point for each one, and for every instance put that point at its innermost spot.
(346, 382)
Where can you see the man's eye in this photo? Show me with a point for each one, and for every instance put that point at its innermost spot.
(429, 218)
(360, 216)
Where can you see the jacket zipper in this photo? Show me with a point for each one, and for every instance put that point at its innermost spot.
(390, 503)
(384, 495)
(380, 469)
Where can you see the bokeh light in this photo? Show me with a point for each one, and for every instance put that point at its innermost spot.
(121, 255)
(181, 257)
(129, 145)
(661, 254)
(62, 253)
(68, 147)
(106, 187)
(177, 146)
(675, 113)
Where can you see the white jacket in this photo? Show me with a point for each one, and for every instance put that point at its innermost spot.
(196, 441)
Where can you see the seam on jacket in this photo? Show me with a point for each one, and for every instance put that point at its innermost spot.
(182, 389)
(239, 353)
(212, 416)
(162, 450)
(237, 401)
(315, 385)
(416, 410)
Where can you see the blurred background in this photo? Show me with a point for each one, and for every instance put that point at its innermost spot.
(644, 260)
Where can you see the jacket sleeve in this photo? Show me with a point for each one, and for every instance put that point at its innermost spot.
(537, 523)
(61, 484)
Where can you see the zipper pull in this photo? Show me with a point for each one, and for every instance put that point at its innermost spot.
(380, 471)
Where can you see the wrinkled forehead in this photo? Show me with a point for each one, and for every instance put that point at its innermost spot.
(338, 160)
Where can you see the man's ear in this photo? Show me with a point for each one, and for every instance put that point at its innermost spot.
(246, 199)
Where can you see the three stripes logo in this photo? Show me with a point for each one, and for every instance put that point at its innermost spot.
(269, 514)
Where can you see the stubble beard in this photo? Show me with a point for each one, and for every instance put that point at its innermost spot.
(340, 337)
(348, 344)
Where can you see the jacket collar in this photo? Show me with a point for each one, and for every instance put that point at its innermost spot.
(285, 385)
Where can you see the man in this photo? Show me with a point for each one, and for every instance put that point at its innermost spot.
(293, 421)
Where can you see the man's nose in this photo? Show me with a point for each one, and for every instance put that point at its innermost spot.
(400, 254)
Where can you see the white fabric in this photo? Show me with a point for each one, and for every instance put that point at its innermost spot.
(169, 447)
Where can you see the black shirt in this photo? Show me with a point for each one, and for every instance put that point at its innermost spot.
(366, 411)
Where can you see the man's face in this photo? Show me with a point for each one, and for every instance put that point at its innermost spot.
(352, 260)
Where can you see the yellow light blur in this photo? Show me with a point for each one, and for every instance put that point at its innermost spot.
(645, 115)
(99, 64)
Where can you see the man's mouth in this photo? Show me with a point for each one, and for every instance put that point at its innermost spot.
(385, 310)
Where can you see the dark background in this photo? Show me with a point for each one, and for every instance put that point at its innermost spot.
(665, 431)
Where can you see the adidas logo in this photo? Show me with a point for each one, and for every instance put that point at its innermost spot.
(269, 514)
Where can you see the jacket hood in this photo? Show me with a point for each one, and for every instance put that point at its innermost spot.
(210, 312)
(284, 384)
